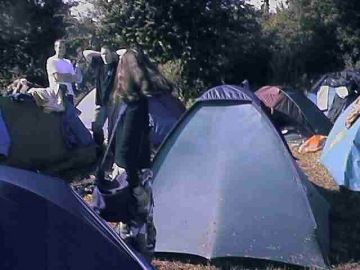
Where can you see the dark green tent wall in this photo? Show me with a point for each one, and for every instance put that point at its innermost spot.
(37, 140)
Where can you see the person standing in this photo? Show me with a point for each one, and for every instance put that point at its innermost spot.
(132, 154)
(61, 76)
(61, 73)
(104, 64)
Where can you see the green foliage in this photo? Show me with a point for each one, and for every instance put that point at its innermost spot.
(348, 31)
(28, 30)
(303, 41)
(216, 41)
(199, 44)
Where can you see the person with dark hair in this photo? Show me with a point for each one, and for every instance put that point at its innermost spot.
(128, 197)
(132, 155)
(104, 64)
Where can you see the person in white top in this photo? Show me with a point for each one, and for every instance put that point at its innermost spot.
(60, 71)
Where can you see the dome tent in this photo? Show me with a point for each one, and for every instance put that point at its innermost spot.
(236, 191)
(47, 225)
(290, 108)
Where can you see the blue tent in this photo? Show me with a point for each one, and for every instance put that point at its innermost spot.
(45, 225)
(164, 112)
(341, 153)
(228, 92)
(226, 186)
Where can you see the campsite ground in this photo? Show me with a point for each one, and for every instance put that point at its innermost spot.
(344, 223)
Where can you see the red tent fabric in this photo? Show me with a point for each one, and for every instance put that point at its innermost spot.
(270, 95)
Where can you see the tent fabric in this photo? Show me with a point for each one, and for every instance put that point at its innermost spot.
(319, 124)
(270, 95)
(231, 92)
(294, 109)
(312, 97)
(322, 97)
(349, 78)
(74, 131)
(338, 106)
(331, 95)
(4, 137)
(46, 225)
(318, 84)
(234, 92)
(37, 139)
(235, 190)
(341, 153)
(164, 112)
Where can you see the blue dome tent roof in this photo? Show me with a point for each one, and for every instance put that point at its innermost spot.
(46, 225)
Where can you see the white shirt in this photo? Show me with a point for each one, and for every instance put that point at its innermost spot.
(62, 65)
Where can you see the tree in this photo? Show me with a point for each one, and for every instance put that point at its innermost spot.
(205, 35)
(349, 32)
(303, 41)
(27, 34)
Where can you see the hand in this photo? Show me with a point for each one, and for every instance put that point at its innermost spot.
(142, 198)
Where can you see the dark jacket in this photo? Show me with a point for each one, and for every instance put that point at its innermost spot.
(104, 79)
(132, 145)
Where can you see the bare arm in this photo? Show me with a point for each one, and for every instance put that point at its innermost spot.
(64, 77)
(89, 54)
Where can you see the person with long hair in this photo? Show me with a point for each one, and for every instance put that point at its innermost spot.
(136, 79)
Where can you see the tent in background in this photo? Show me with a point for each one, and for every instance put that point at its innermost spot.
(291, 109)
(334, 92)
(341, 153)
(231, 188)
(46, 225)
(164, 112)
